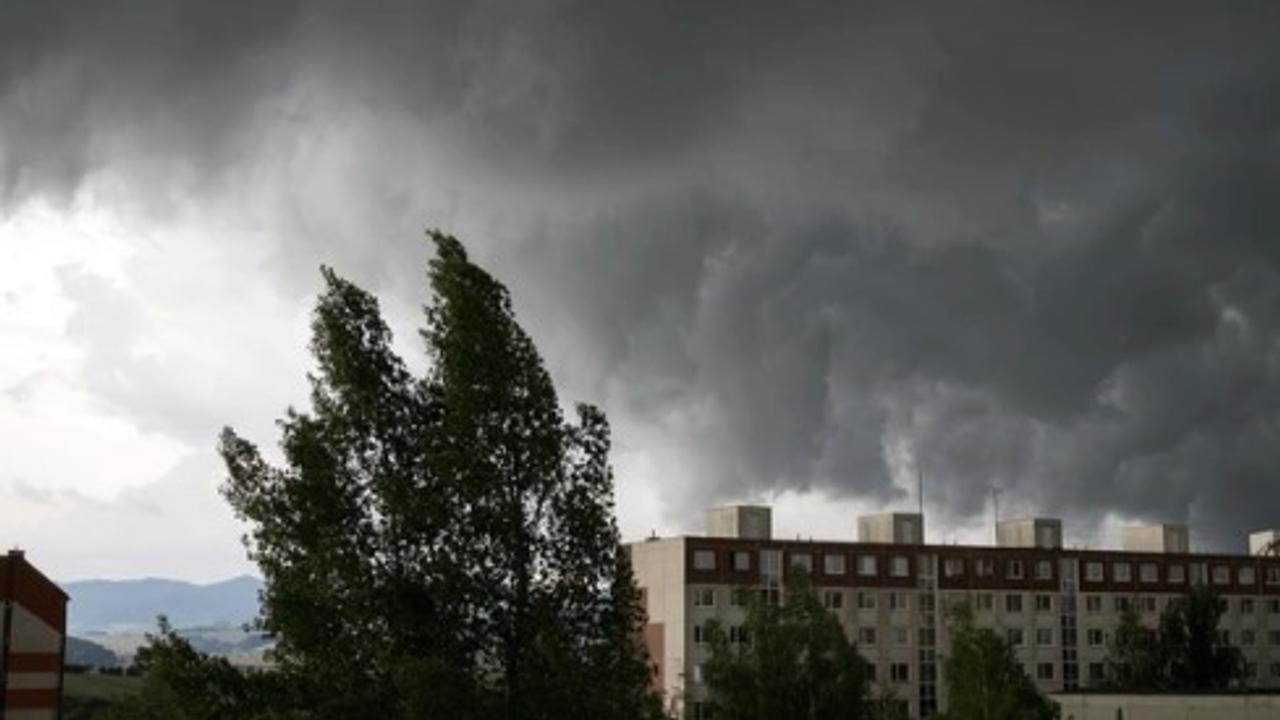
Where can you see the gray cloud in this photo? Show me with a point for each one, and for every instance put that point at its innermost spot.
(1029, 245)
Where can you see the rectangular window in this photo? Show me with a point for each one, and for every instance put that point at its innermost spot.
(1221, 575)
(984, 602)
(1224, 637)
(867, 636)
(899, 672)
(1044, 570)
(1044, 637)
(1273, 637)
(1176, 574)
(1093, 572)
(1123, 604)
(1121, 572)
(697, 674)
(866, 600)
(704, 559)
(1044, 671)
(1246, 606)
(984, 567)
(1013, 603)
(833, 599)
(1097, 672)
(1014, 636)
(867, 565)
(738, 634)
(742, 561)
(1095, 637)
(1273, 606)
(1149, 572)
(899, 566)
(738, 597)
(1198, 574)
(898, 601)
(1093, 603)
(901, 637)
(1013, 571)
(1147, 604)
(833, 564)
(802, 561)
(1275, 669)
(1044, 603)
(953, 567)
(1248, 637)
(1247, 576)
(704, 597)
(1273, 575)
(927, 637)
(701, 634)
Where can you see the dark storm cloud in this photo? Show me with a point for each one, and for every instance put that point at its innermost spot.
(1015, 244)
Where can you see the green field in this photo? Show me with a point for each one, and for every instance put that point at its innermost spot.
(99, 687)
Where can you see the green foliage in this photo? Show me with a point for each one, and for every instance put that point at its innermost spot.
(441, 546)
(796, 663)
(984, 679)
(1182, 653)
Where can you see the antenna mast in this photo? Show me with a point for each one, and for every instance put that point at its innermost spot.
(995, 514)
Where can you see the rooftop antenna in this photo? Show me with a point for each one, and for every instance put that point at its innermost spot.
(920, 498)
(995, 513)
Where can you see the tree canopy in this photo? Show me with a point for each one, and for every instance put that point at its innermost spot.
(984, 679)
(441, 546)
(790, 659)
(1183, 652)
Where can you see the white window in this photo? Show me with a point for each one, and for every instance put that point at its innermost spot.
(1013, 570)
(899, 566)
(1044, 636)
(771, 567)
(1221, 575)
(1013, 603)
(1247, 576)
(1093, 603)
(802, 561)
(1014, 635)
(985, 567)
(867, 636)
(867, 565)
(1148, 573)
(898, 601)
(704, 597)
(1176, 574)
(704, 559)
(1044, 603)
(833, 599)
(1044, 570)
(899, 672)
(953, 567)
(901, 636)
(742, 561)
(1273, 575)
(1093, 572)
(697, 674)
(866, 600)
(833, 564)
(984, 602)
(1095, 637)
(1120, 572)
(1246, 606)
(701, 634)
(1044, 671)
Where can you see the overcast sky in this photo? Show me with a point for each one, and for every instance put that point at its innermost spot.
(798, 255)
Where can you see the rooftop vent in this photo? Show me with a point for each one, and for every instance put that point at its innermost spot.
(1030, 532)
(740, 521)
(896, 528)
(1158, 538)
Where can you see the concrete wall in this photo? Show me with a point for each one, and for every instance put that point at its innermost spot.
(1029, 532)
(659, 567)
(740, 521)
(896, 528)
(1162, 538)
(1168, 707)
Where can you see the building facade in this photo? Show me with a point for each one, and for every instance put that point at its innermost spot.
(33, 621)
(1057, 606)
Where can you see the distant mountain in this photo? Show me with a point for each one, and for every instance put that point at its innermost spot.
(89, 654)
(131, 605)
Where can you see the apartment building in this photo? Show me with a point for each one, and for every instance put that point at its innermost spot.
(1057, 606)
(33, 621)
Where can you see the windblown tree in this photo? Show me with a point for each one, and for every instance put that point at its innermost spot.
(442, 546)
(789, 660)
(984, 679)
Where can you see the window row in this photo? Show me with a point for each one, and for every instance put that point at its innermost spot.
(833, 564)
(954, 567)
(1178, 573)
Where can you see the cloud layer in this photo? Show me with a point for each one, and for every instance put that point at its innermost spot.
(1022, 245)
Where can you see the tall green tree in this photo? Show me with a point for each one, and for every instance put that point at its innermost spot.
(1182, 653)
(789, 660)
(984, 679)
(442, 546)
